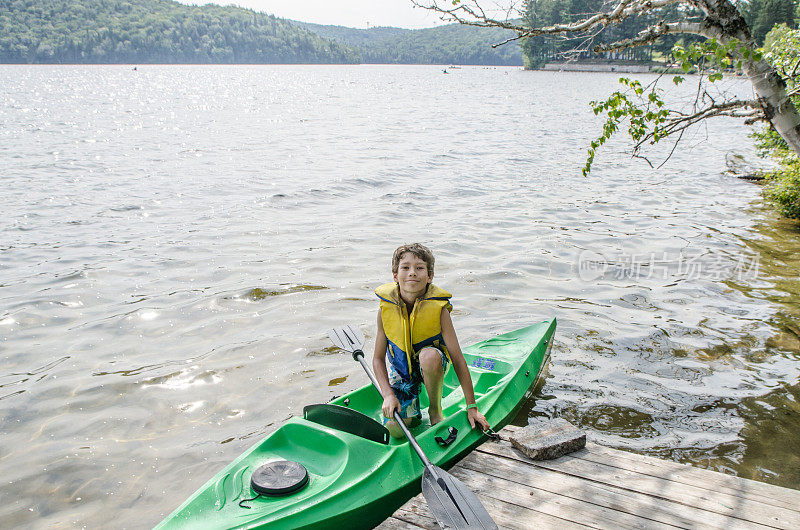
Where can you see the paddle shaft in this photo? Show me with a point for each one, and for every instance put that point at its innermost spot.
(358, 355)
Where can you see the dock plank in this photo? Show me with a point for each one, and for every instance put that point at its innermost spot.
(560, 506)
(601, 487)
(393, 523)
(686, 474)
(692, 495)
(506, 515)
(416, 514)
(594, 496)
(765, 493)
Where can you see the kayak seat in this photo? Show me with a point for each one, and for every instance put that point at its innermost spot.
(347, 420)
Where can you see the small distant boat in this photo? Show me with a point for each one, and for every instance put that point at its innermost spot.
(337, 467)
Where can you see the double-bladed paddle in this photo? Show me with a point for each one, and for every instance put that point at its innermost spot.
(452, 504)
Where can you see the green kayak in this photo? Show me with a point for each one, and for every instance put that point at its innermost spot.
(352, 475)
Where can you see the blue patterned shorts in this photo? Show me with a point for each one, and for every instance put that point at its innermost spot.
(407, 392)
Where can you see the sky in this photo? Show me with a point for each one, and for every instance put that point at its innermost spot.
(352, 13)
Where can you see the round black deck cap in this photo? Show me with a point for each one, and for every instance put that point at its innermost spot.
(280, 477)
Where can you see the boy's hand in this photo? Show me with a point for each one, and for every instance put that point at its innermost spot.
(476, 418)
(390, 404)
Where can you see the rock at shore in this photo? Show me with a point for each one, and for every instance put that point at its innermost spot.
(545, 440)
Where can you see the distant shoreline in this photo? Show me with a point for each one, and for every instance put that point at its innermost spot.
(597, 67)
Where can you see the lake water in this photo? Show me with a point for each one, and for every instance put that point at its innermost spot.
(176, 240)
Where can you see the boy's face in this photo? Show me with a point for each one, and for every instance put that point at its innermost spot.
(412, 274)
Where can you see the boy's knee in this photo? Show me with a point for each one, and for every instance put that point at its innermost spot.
(430, 360)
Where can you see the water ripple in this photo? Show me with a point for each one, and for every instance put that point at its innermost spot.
(176, 242)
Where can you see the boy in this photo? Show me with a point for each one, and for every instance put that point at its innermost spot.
(417, 340)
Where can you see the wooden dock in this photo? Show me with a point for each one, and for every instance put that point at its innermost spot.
(599, 487)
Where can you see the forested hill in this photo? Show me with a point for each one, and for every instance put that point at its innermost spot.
(450, 44)
(164, 31)
(154, 31)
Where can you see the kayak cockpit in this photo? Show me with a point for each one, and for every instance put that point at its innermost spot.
(487, 374)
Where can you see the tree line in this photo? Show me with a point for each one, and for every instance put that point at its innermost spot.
(164, 31)
(761, 16)
(154, 31)
(448, 44)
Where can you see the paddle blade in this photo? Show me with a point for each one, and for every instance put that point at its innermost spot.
(452, 504)
(348, 338)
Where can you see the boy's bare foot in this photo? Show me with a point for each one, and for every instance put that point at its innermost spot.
(436, 417)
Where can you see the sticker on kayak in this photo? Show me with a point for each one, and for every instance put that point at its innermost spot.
(483, 362)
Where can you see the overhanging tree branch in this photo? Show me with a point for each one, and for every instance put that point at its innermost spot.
(679, 121)
(652, 34)
(468, 14)
(721, 23)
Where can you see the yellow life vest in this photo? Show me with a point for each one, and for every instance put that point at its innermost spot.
(407, 334)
